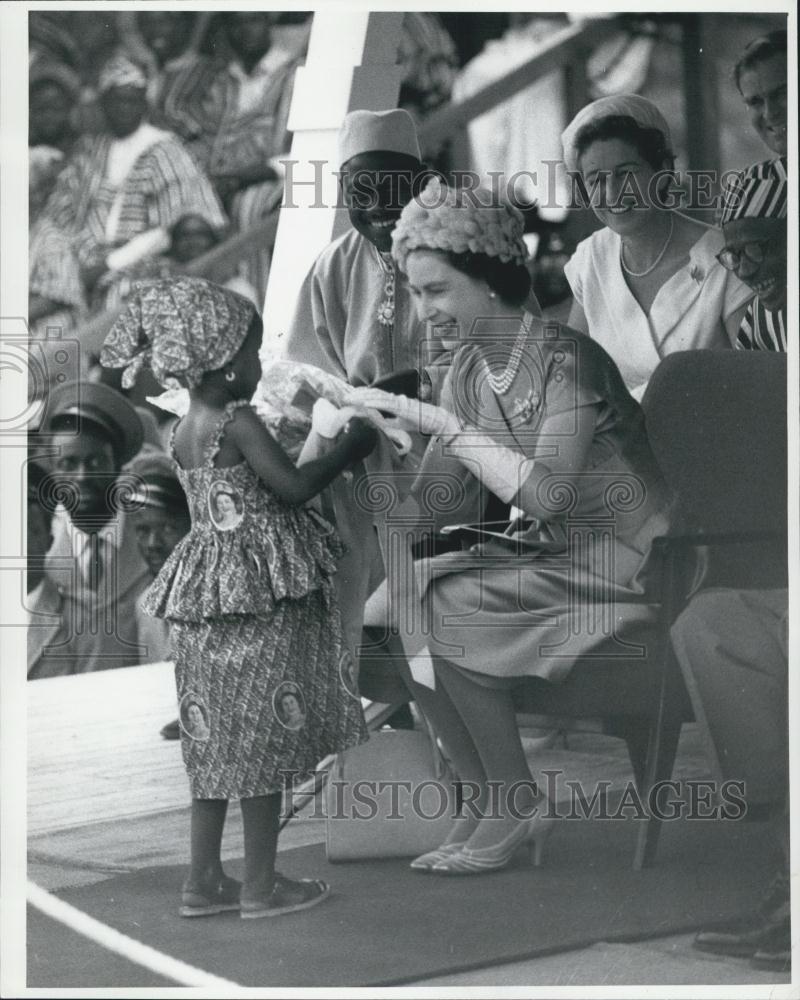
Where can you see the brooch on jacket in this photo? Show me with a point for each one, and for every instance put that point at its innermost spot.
(528, 406)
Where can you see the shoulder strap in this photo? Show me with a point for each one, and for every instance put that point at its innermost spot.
(212, 448)
(171, 442)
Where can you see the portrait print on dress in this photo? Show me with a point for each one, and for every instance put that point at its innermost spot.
(225, 506)
(289, 706)
(347, 672)
(194, 717)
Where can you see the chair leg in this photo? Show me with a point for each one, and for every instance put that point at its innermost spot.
(636, 733)
(660, 761)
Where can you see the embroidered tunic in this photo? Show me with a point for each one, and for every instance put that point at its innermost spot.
(336, 325)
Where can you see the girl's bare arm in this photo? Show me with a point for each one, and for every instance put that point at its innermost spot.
(295, 485)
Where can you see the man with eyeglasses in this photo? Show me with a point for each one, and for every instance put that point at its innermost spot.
(92, 430)
(732, 645)
(753, 216)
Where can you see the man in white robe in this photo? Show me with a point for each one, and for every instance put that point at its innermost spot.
(354, 315)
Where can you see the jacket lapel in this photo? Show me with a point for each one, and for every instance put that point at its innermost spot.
(49, 604)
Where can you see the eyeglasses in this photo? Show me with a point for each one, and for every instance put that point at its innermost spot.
(754, 252)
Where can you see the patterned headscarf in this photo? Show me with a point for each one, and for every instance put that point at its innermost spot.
(759, 192)
(642, 111)
(120, 71)
(180, 328)
(473, 221)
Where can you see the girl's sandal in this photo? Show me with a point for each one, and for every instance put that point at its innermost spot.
(208, 900)
(288, 895)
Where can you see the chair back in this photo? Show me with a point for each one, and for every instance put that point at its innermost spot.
(717, 424)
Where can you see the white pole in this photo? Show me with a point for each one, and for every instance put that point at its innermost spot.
(351, 64)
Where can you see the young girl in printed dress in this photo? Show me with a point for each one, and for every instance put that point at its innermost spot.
(249, 597)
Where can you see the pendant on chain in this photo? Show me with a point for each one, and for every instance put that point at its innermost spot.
(386, 308)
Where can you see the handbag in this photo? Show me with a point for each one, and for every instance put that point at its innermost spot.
(391, 797)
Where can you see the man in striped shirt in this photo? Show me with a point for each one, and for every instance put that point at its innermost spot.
(753, 215)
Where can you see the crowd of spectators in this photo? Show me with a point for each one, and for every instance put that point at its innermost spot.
(154, 136)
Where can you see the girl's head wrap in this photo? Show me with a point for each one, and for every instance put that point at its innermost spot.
(180, 328)
(642, 111)
(468, 221)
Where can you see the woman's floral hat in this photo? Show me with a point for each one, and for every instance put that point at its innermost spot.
(459, 221)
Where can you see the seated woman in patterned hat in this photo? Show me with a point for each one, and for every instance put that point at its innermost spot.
(540, 415)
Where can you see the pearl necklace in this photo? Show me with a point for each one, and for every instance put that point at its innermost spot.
(500, 384)
(656, 262)
(386, 308)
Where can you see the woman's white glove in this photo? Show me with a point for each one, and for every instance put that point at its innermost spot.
(424, 417)
(328, 421)
(500, 469)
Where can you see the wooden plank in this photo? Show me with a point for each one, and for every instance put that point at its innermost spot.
(700, 95)
(94, 750)
(220, 263)
(564, 48)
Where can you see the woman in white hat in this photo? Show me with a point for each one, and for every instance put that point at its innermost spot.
(649, 282)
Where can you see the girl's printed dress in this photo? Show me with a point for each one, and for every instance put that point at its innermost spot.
(263, 677)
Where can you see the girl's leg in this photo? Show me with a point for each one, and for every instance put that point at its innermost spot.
(207, 823)
(261, 820)
(207, 889)
(267, 893)
(489, 717)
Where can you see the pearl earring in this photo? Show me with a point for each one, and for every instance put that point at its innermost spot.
(492, 295)
(230, 376)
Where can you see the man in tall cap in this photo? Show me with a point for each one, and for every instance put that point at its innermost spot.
(92, 431)
(354, 316)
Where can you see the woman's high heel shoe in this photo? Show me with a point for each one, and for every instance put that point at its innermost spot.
(426, 862)
(473, 861)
